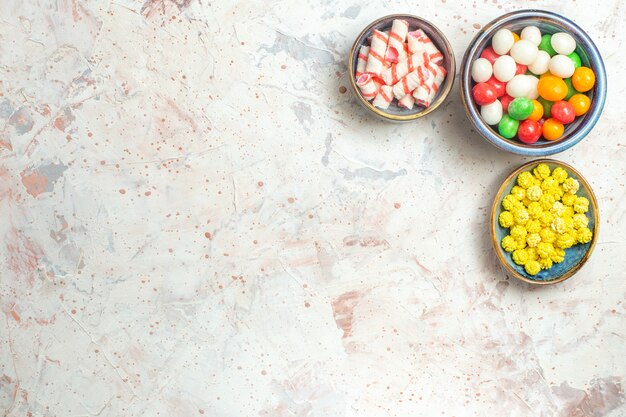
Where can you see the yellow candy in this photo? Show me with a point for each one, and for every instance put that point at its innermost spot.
(548, 184)
(568, 199)
(559, 174)
(571, 186)
(546, 218)
(546, 263)
(558, 225)
(510, 203)
(557, 255)
(581, 205)
(558, 208)
(520, 256)
(521, 216)
(509, 244)
(547, 235)
(506, 219)
(565, 241)
(532, 267)
(580, 220)
(547, 201)
(533, 226)
(542, 171)
(544, 249)
(534, 210)
(534, 193)
(518, 232)
(557, 192)
(584, 235)
(518, 192)
(525, 179)
(533, 239)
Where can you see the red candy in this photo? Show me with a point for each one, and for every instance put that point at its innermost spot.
(529, 131)
(563, 112)
(520, 69)
(490, 55)
(497, 85)
(505, 100)
(484, 93)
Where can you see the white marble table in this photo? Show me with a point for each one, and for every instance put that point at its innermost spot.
(198, 219)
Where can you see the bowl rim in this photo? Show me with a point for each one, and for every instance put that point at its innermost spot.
(448, 83)
(518, 148)
(498, 199)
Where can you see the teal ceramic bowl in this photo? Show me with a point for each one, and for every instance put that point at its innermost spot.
(575, 257)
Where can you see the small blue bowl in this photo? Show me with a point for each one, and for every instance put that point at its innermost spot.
(547, 22)
(575, 257)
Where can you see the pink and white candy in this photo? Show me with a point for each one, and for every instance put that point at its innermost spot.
(362, 60)
(368, 87)
(376, 56)
(418, 40)
(397, 37)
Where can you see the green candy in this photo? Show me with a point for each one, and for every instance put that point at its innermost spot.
(508, 126)
(570, 88)
(520, 108)
(545, 45)
(547, 107)
(576, 59)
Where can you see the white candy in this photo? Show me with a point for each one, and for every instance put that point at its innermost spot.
(561, 66)
(563, 43)
(502, 41)
(519, 86)
(540, 64)
(504, 68)
(533, 93)
(531, 34)
(481, 70)
(492, 113)
(524, 52)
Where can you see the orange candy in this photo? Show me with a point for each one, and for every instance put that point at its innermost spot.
(515, 37)
(583, 79)
(537, 113)
(552, 129)
(581, 104)
(552, 88)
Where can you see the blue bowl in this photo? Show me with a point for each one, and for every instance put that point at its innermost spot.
(547, 22)
(575, 257)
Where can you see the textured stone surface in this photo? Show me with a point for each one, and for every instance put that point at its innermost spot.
(197, 218)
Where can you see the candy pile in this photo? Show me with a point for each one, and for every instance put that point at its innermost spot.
(532, 84)
(399, 64)
(544, 217)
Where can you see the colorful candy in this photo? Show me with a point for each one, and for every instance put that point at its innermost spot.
(583, 79)
(563, 112)
(529, 131)
(552, 129)
(484, 93)
(521, 108)
(492, 113)
(531, 85)
(581, 104)
(563, 43)
(561, 66)
(502, 41)
(481, 70)
(531, 34)
(508, 126)
(546, 45)
(504, 68)
(524, 52)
